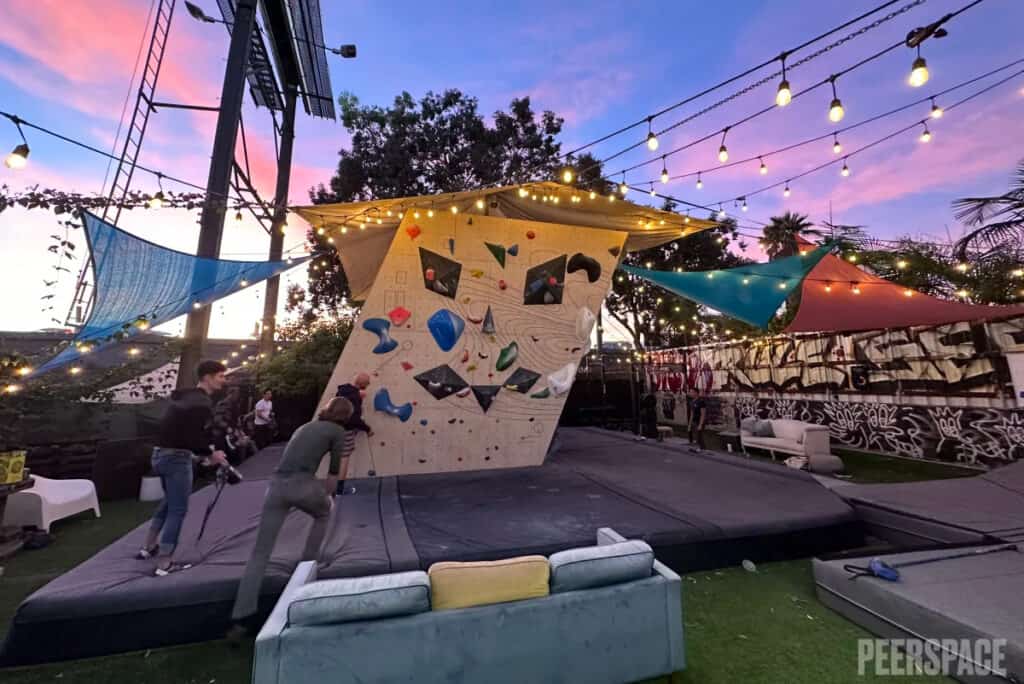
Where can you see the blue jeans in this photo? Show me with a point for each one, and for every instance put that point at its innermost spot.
(174, 466)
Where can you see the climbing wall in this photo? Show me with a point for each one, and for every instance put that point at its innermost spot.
(471, 335)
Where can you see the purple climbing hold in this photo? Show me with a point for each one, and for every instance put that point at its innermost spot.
(382, 402)
(423, 422)
(381, 327)
(488, 328)
(446, 327)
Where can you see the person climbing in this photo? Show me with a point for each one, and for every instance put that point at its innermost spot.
(294, 485)
(354, 392)
(185, 438)
(697, 414)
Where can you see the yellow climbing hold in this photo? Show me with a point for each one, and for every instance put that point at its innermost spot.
(476, 273)
(471, 367)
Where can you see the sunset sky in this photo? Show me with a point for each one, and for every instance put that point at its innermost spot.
(66, 65)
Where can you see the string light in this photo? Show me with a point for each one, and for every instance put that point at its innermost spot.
(835, 110)
(238, 216)
(852, 258)
(845, 170)
(479, 204)
(963, 294)
(763, 169)
(652, 140)
(836, 147)
(18, 158)
(828, 287)
(134, 351)
(75, 370)
(652, 189)
(744, 207)
(937, 111)
(623, 188)
(1019, 273)
(664, 170)
(918, 71)
(593, 195)
(454, 209)
(723, 151)
(785, 192)
(196, 305)
(430, 213)
(963, 268)
(855, 288)
(244, 283)
(721, 212)
(783, 96)
(908, 292)
(782, 285)
(746, 281)
(523, 192)
(926, 135)
(567, 176)
(700, 183)
(901, 264)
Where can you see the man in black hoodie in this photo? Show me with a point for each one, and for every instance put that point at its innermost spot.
(353, 391)
(185, 437)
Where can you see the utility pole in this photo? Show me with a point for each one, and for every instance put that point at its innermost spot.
(211, 223)
(284, 167)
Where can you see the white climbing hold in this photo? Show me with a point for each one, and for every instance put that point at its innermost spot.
(561, 380)
(585, 320)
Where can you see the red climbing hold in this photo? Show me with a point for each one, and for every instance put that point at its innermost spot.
(465, 356)
(406, 365)
(429, 274)
(413, 231)
(552, 280)
(502, 285)
(530, 235)
(399, 315)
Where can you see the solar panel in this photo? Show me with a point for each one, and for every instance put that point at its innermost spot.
(262, 82)
(308, 32)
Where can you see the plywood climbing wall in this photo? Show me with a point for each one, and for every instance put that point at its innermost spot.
(472, 334)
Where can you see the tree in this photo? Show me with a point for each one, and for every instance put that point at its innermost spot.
(304, 368)
(440, 144)
(999, 219)
(781, 233)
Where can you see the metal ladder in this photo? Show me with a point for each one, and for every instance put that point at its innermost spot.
(121, 184)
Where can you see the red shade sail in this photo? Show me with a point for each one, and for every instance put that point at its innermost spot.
(830, 303)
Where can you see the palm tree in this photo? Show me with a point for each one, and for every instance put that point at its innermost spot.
(999, 219)
(780, 235)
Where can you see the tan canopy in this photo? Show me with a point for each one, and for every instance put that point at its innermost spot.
(362, 231)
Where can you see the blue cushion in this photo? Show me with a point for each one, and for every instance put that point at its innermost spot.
(360, 598)
(598, 566)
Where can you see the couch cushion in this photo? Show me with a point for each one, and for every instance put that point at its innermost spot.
(773, 443)
(360, 598)
(763, 428)
(598, 566)
(792, 430)
(748, 424)
(460, 585)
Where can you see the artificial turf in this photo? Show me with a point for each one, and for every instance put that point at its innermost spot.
(764, 626)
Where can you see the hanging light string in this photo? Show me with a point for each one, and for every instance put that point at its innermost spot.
(827, 80)
(845, 129)
(781, 57)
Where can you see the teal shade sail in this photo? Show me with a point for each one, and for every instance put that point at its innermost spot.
(751, 293)
(138, 280)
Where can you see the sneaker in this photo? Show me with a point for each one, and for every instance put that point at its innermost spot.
(171, 569)
(146, 554)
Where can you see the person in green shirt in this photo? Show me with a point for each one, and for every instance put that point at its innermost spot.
(294, 485)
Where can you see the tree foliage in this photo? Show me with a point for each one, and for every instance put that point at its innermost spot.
(305, 366)
(780, 235)
(998, 220)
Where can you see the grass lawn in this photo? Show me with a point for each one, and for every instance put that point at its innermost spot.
(760, 627)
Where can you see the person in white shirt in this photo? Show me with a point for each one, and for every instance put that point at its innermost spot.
(264, 419)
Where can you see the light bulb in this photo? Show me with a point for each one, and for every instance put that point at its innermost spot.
(785, 192)
(836, 147)
(855, 289)
(593, 195)
(611, 197)
(744, 207)
(828, 287)
(567, 176)
(623, 188)
(962, 268)
(652, 141)
(454, 209)
(244, 283)
(784, 95)
(918, 72)
(845, 170)
(320, 231)
(523, 192)
(18, 157)
(1018, 273)
(962, 293)
(157, 200)
(926, 136)
(901, 264)
(430, 213)
(782, 285)
(721, 213)
(652, 189)
(24, 370)
(937, 111)
(700, 183)
(196, 305)
(746, 281)
(836, 111)
(852, 258)
(763, 169)
(479, 204)
(664, 175)
(723, 154)
(238, 216)
(908, 292)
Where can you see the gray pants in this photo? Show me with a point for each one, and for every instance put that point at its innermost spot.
(285, 492)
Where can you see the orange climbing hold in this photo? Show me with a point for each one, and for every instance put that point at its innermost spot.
(413, 231)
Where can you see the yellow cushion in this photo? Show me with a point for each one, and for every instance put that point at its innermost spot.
(460, 585)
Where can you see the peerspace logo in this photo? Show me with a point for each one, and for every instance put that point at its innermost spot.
(949, 657)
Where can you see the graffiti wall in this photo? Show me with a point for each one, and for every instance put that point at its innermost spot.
(940, 392)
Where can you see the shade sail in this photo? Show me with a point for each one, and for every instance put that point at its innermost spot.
(830, 303)
(750, 293)
(362, 231)
(136, 279)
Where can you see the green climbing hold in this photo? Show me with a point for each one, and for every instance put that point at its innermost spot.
(507, 356)
(543, 394)
(498, 251)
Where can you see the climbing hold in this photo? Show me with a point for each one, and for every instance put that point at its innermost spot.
(476, 273)
(585, 320)
(476, 320)
(423, 422)
(614, 251)
(534, 338)
(498, 251)
(575, 349)
(406, 365)
(483, 355)
(451, 421)
(466, 300)
(485, 395)
(446, 327)
(471, 367)
(561, 380)
(543, 282)
(543, 394)
(441, 381)
(507, 356)
(451, 245)
(488, 327)
(582, 262)
(399, 315)
(502, 285)
(522, 380)
(530, 235)
(440, 274)
(381, 328)
(552, 280)
(465, 356)
(492, 338)
(382, 402)
(413, 231)
(513, 250)
(464, 393)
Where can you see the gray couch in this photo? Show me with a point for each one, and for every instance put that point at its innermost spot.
(604, 621)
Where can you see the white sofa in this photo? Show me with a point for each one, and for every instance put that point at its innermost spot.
(796, 438)
(49, 500)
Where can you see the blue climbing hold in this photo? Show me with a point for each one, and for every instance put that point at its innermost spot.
(381, 327)
(513, 250)
(446, 327)
(423, 422)
(382, 402)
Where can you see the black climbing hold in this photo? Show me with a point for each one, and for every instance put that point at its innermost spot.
(581, 262)
(451, 421)
(531, 420)
(614, 251)
(445, 272)
(422, 460)
(487, 458)
(441, 382)
(522, 380)
(544, 282)
(423, 422)
(485, 395)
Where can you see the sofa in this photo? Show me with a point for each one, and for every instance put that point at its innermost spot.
(793, 437)
(608, 613)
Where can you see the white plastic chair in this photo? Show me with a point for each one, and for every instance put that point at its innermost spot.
(49, 500)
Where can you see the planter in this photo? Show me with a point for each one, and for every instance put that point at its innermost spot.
(151, 489)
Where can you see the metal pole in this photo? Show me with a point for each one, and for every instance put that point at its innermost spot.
(284, 168)
(212, 220)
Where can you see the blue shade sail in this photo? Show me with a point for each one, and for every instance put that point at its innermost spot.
(136, 279)
(751, 293)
